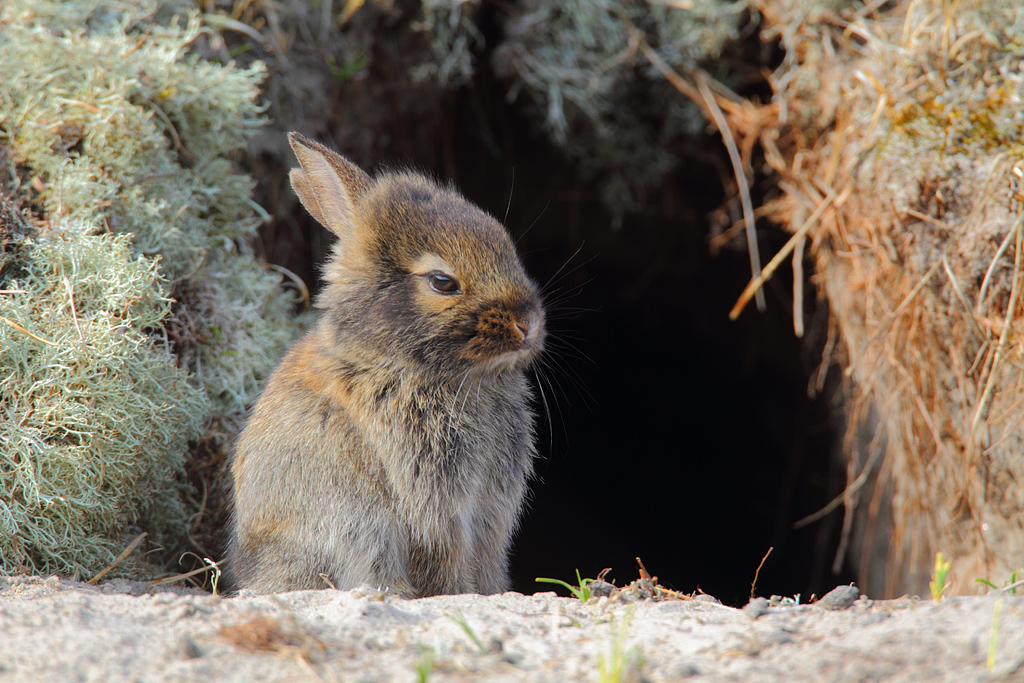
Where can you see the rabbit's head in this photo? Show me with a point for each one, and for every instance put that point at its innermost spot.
(419, 276)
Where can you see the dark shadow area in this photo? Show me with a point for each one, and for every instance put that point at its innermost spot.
(668, 431)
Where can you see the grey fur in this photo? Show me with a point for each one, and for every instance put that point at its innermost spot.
(394, 443)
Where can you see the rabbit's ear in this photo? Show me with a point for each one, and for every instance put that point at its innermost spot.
(327, 184)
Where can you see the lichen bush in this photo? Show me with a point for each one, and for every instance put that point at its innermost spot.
(96, 418)
(136, 315)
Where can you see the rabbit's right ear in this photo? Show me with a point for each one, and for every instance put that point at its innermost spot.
(327, 184)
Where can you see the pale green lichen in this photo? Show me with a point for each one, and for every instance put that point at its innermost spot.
(95, 419)
(124, 143)
(454, 36)
(129, 129)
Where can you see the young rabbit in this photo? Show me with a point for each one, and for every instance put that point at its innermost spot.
(393, 444)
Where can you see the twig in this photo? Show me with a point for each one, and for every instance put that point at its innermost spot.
(777, 260)
(296, 280)
(798, 288)
(325, 20)
(347, 12)
(223, 22)
(753, 584)
(958, 291)
(74, 313)
(982, 410)
(992, 266)
(1012, 587)
(644, 574)
(190, 160)
(22, 329)
(895, 313)
(180, 577)
(119, 559)
(850, 489)
(741, 181)
(702, 95)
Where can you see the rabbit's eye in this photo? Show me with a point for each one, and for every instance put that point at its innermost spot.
(443, 284)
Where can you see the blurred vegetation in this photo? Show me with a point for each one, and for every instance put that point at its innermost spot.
(598, 98)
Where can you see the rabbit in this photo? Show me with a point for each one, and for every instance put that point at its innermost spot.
(394, 443)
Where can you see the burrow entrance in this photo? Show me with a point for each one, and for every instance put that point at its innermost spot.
(668, 432)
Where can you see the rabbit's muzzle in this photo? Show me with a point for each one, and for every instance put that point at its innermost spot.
(506, 338)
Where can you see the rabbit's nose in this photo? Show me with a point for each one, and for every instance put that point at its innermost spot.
(524, 328)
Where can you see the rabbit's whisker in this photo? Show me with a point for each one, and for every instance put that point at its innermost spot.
(511, 190)
(557, 299)
(570, 348)
(451, 411)
(541, 379)
(558, 275)
(569, 373)
(542, 212)
(570, 313)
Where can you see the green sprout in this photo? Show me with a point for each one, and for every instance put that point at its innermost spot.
(939, 584)
(425, 664)
(348, 68)
(993, 634)
(581, 592)
(1010, 586)
(459, 618)
(618, 659)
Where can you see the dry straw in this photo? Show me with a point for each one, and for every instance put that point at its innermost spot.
(898, 136)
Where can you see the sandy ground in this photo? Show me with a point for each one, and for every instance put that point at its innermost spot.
(58, 630)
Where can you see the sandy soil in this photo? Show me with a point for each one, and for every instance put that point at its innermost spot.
(58, 630)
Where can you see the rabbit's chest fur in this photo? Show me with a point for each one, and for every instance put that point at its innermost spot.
(383, 478)
(444, 448)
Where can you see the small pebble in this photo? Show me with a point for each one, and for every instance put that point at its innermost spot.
(685, 669)
(757, 607)
(513, 658)
(187, 649)
(601, 589)
(839, 598)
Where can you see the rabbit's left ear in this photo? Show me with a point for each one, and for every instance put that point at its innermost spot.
(327, 184)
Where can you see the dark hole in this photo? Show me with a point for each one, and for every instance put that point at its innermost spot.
(674, 435)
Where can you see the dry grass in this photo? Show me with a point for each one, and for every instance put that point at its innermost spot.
(899, 144)
(268, 634)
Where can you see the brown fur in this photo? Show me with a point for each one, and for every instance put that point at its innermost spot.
(393, 444)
